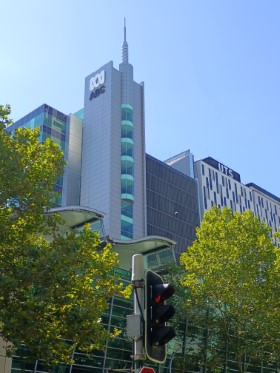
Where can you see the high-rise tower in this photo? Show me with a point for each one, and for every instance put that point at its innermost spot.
(113, 154)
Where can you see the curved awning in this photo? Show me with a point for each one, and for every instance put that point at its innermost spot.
(74, 216)
(146, 245)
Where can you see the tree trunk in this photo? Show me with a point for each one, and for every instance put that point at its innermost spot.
(204, 367)
(226, 352)
(184, 346)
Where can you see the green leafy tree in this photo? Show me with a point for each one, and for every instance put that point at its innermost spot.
(4, 116)
(184, 353)
(230, 275)
(192, 322)
(54, 286)
(272, 329)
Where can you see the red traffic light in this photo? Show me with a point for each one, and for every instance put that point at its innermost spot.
(161, 292)
(147, 370)
(157, 334)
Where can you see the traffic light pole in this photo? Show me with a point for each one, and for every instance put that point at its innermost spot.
(137, 281)
(147, 325)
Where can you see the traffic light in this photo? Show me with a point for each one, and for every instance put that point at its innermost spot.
(157, 334)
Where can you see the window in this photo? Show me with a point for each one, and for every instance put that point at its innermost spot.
(127, 168)
(127, 187)
(127, 131)
(126, 229)
(127, 112)
(227, 192)
(215, 198)
(127, 209)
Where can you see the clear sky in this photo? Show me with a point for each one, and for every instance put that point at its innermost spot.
(211, 70)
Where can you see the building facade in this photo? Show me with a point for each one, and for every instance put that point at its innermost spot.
(219, 185)
(108, 171)
(266, 206)
(52, 124)
(172, 204)
(104, 147)
(113, 167)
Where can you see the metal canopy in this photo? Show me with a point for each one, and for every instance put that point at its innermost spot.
(74, 216)
(127, 248)
(143, 245)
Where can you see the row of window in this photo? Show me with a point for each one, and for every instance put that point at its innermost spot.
(235, 196)
(172, 191)
(224, 181)
(127, 171)
(35, 118)
(219, 189)
(171, 176)
(268, 216)
(269, 205)
(171, 207)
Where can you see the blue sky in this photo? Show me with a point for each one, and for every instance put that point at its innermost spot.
(211, 70)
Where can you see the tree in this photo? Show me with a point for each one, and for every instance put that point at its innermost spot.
(229, 274)
(4, 116)
(54, 287)
(186, 321)
(272, 329)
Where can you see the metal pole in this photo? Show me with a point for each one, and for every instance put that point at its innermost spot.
(137, 280)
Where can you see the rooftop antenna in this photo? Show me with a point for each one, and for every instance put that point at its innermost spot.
(124, 46)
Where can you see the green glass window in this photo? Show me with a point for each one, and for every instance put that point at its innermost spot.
(127, 112)
(127, 209)
(126, 229)
(127, 188)
(127, 147)
(127, 168)
(127, 132)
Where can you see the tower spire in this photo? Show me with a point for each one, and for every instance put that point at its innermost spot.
(124, 45)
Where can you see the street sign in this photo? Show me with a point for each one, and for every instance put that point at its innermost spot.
(147, 370)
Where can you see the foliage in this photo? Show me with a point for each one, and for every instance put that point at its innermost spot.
(54, 293)
(184, 353)
(230, 275)
(4, 116)
(54, 287)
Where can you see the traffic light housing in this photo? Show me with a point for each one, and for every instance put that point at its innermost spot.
(157, 334)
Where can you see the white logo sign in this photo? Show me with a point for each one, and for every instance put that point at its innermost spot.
(97, 80)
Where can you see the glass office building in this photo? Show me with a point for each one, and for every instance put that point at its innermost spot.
(172, 203)
(52, 124)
